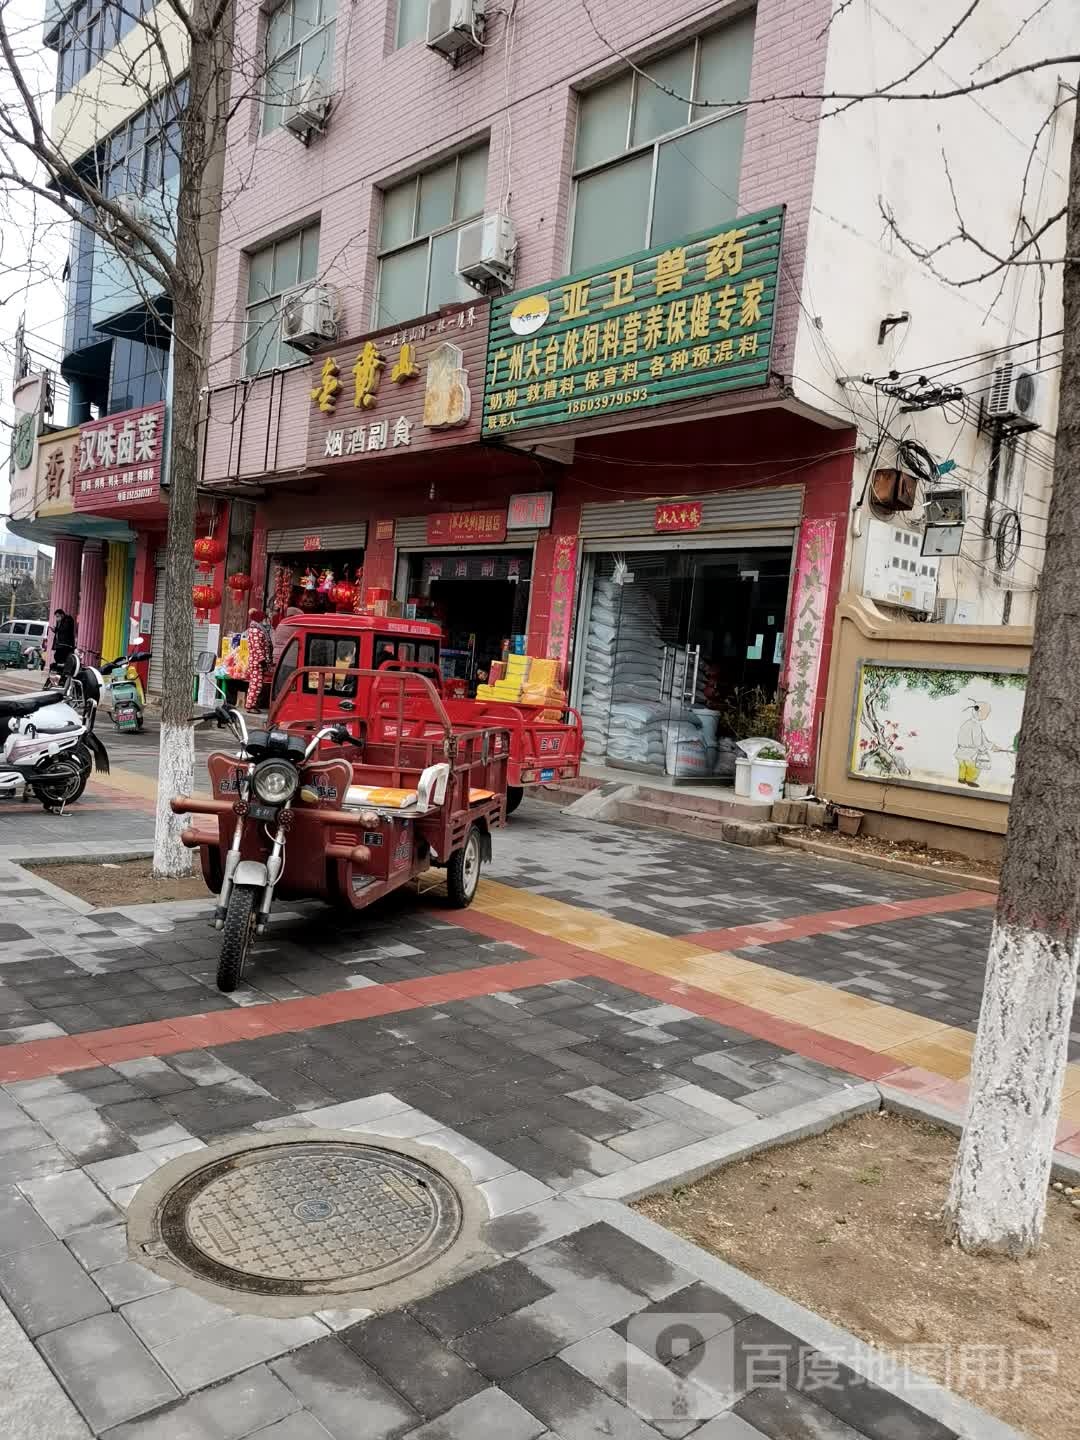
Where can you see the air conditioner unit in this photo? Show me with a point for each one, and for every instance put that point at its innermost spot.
(485, 251)
(455, 27)
(306, 108)
(309, 317)
(135, 208)
(1014, 397)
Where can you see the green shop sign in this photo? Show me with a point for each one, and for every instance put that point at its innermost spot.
(678, 322)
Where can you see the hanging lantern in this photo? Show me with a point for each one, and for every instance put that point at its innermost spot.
(342, 595)
(209, 551)
(239, 584)
(205, 598)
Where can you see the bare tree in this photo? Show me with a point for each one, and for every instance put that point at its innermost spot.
(171, 260)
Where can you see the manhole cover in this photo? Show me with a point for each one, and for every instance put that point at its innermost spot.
(310, 1217)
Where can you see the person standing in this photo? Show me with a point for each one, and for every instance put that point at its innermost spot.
(260, 657)
(63, 636)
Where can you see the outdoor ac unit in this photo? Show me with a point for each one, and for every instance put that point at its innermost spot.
(455, 27)
(306, 108)
(1014, 396)
(485, 251)
(309, 317)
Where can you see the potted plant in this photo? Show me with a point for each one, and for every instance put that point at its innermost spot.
(767, 770)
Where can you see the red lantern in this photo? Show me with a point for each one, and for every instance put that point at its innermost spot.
(205, 598)
(240, 584)
(342, 595)
(209, 551)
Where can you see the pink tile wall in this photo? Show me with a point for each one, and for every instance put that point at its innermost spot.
(399, 110)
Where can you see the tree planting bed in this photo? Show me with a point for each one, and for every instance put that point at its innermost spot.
(125, 882)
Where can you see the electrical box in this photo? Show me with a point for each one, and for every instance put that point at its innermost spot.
(485, 251)
(896, 573)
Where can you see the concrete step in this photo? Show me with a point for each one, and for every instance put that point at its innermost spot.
(705, 825)
(724, 803)
(564, 793)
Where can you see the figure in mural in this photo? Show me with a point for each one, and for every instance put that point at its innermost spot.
(973, 745)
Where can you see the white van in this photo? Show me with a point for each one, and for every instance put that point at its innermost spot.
(33, 632)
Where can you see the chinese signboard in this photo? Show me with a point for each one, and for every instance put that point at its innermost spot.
(529, 512)
(27, 399)
(119, 462)
(678, 322)
(400, 391)
(57, 466)
(678, 517)
(467, 527)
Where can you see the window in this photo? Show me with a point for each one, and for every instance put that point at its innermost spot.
(337, 651)
(418, 238)
(272, 271)
(411, 22)
(144, 154)
(286, 668)
(299, 43)
(649, 167)
(409, 652)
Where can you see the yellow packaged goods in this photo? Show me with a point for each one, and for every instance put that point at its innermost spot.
(544, 672)
(495, 671)
(379, 795)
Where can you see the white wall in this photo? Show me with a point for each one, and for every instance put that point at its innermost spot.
(857, 272)
(147, 60)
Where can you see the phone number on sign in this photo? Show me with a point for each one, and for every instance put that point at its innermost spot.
(607, 402)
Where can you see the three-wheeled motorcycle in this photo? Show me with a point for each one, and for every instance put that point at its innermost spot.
(343, 812)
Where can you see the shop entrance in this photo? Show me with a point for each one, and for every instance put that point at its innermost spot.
(680, 653)
(304, 564)
(480, 600)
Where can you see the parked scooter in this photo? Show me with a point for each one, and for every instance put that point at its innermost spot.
(48, 744)
(126, 697)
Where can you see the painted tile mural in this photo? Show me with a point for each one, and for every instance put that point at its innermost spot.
(939, 729)
(807, 637)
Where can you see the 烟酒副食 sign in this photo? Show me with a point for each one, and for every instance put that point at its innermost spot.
(678, 322)
(119, 460)
(399, 391)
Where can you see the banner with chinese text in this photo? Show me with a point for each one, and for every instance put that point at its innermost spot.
(119, 461)
(678, 322)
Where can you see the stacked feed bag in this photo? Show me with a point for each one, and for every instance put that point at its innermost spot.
(599, 663)
(636, 733)
(638, 659)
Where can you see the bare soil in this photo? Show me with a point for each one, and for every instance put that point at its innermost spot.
(911, 850)
(846, 1224)
(127, 882)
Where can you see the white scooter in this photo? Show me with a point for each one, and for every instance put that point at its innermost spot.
(47, 747)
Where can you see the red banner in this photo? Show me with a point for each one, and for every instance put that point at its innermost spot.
(686, 515)
(119, 462)
(467, 527)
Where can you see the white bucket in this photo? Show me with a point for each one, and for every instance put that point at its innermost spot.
(767, 780)
(742, 777)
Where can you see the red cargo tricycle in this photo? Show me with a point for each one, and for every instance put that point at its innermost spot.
(348, 813)
(541, 750)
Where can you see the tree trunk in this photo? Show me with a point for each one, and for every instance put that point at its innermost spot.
(202, 137)
(997, 1200)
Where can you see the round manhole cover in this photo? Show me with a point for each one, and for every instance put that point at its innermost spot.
(309, 1217)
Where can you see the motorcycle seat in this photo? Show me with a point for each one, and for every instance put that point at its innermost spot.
(26, 704)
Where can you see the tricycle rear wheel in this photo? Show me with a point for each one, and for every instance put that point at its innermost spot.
(463, 872)
(514, 796)
(239, 932)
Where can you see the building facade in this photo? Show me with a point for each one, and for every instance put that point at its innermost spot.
(644, 451)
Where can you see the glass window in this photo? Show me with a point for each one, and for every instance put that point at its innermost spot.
(409, 652)
(272, 271)
(411, 22)
(299, 43)
(286, 667)
(658, 155)
(418, 236)
(337, 652)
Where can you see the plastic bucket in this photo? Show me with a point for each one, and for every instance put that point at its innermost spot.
(742, 777)
(767, 780)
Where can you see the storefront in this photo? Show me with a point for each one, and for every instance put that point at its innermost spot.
(303, 564)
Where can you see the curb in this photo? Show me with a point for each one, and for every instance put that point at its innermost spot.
(959, 878)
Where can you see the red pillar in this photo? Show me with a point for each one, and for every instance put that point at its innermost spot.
(92, 601)
(67, 562)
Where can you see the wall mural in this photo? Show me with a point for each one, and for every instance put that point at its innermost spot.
(938, 728)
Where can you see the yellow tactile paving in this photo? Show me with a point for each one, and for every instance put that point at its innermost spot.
(131, 782)
(911, 1039)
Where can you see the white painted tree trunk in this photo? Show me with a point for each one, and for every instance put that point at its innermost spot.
(997, 1199)
(176, 776)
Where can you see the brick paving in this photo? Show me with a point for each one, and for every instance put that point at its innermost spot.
(545, 1065)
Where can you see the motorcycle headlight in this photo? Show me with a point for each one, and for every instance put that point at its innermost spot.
(275, 782)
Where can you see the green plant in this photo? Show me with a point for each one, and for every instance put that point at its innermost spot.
(750, 711)
(771, 752)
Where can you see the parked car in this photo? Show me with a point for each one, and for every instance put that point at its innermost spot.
(30, 635)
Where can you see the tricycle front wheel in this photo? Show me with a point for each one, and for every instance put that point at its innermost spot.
(514, 796)
(463, 872)
(239, 932)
